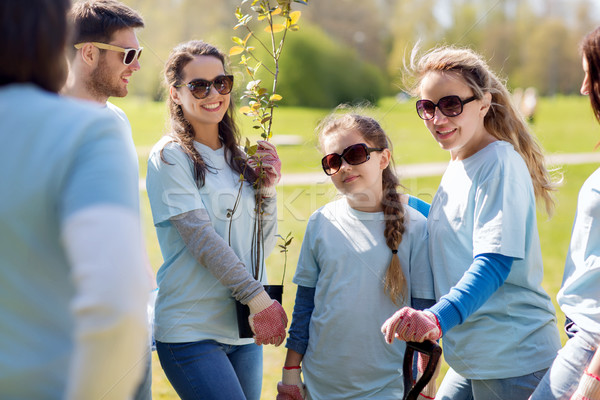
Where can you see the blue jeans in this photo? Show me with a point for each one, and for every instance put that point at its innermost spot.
(456, 387)
(563, 376)
(210, 370)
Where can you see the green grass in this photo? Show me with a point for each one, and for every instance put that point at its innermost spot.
(563, 124)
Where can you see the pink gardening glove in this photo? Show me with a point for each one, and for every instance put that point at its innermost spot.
(267, 320)
(588, 389)
(271, 166)
(411, 325)
(291, 386)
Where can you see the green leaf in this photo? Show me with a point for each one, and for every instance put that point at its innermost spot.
(237, 40)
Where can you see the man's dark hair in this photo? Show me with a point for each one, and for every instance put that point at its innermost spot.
(97, 20)
(32, 49)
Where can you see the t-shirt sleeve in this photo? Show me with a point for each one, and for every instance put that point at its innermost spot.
(421, 276)
(307, 270)
(101, 171)
(501, 216)
(171, 186)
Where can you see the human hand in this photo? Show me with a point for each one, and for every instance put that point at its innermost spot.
(411, 325)
(291, 386)
(266, 162)
(267, 320)
(588, 389)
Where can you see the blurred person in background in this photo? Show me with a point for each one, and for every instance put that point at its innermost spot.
(74, 288)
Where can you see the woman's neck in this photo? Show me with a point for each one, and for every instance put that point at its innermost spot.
(208, 136)
(365, 202)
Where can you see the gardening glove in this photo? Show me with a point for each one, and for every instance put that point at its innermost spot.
(291, 386)
(411, 325)
(429, 391)
(266, 162)
(588, 389)
(267, 320)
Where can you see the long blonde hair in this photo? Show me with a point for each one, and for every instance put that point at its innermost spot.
(503, 120)
(395, 282)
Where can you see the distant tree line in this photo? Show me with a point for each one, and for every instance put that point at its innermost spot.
(353, 50)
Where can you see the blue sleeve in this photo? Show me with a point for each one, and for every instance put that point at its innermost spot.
(303, 308)
(485, 275)
(419, 205)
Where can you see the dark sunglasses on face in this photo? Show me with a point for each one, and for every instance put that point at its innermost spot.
(354, 155)
(200, 88)
(450, 106)
(129, 55)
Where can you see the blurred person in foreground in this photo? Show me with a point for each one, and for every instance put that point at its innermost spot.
(103, 55)
(74, 290)
(575, 373)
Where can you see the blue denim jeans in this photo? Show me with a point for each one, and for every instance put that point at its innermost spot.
(210, 370)
(563, 376)
(456, 387)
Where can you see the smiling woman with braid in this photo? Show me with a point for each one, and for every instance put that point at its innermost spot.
(362, 257)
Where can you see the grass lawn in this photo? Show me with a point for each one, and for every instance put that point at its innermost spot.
(563, 124)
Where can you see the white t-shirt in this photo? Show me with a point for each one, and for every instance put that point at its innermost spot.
(579, 296)
(485, 204)
(344, 256)
(192, 305)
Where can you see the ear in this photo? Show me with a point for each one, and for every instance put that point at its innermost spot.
(386, 156)
(485, 104)
(89, 54)
(174, 93)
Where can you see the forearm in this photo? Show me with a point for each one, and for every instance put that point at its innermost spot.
(104, 247)
(299, 329)
(487, 273)
(212, 252)
(293, 358)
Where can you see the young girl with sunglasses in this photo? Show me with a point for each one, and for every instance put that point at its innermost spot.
(193, 182)
(498, 324)
(362, 256)
(575, 372)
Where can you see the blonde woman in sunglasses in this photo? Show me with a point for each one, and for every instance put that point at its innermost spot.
(193, 185)
(363, 256)
(497, 324)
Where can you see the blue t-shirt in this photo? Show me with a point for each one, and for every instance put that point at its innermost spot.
(344, 256)
(486, 204)
(192, 305)
(58, 156)
(579, 296)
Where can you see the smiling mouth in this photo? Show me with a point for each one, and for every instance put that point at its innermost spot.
(212, 106)
(446, 132)
(350, 178)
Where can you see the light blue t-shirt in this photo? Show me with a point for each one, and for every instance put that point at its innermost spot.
(579, 296)
(485, 204)
(344, 256)
(58, 156)
(192, 304)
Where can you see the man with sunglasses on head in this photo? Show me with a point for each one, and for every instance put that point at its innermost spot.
(104, 54)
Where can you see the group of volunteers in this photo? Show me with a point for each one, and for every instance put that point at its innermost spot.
(81, 307)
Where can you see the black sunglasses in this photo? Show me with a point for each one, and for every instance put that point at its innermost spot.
(354, 155)
(450, 106)
(200, 88)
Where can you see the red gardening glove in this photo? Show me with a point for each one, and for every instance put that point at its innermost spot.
(588, 389)
(267, 162)
(411, 325)
(291, 386)
(267, 320)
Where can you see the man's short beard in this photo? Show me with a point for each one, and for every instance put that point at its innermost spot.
(100, 84)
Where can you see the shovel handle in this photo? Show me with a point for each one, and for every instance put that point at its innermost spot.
(434, 351)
